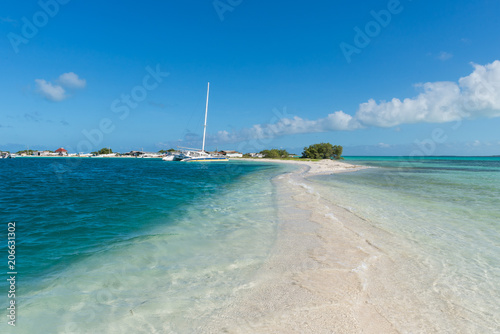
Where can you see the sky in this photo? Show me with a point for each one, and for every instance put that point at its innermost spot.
(377, 77)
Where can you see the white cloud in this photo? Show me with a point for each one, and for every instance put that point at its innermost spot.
(50, 91)
(337, 121)
(481, 90)
(71, 80)
(436, 104)
(475, 95)
(56, 92)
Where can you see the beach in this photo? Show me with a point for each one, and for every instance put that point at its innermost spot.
(314, 280)
(320, 167)
(332, 271)
(256, 246)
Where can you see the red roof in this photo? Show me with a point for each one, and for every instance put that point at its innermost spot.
(61, 150)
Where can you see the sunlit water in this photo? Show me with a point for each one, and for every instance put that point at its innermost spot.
(145, 246)
(132, 245)
(445, 214)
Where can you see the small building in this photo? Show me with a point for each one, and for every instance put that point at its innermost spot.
(61, 151)
(232, 154)
(256, 155)
(41, 153)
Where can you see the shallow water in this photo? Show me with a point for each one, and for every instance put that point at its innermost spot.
(443, 219)
(145, 246)
(132, 245)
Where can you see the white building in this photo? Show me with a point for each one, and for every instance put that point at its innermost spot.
(232, 154)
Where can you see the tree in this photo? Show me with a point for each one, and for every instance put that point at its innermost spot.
(104, 150)
(165, 151)
(28, 152)
(323, 151)
(337, 152)
(274, 153)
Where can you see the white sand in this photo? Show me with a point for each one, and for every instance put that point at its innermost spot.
(321, 167)
(331, 272)
(313, 281)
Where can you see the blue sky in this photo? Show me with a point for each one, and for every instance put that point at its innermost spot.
(377, 77)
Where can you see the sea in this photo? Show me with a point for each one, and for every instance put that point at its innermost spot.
(441, 222)
(147, 246)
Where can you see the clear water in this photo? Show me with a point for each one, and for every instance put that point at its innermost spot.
(131, 245)
(146, 246)
(445, 213)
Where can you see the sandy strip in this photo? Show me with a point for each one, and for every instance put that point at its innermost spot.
(321, 167)
(315, 278)
(331, 271)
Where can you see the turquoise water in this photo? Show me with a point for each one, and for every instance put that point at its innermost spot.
(146, 246)
(444, 213)
(131, 245)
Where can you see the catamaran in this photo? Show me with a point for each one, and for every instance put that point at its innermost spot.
(188, 154)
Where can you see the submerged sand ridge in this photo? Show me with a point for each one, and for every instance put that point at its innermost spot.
(319, 167)
(312, 282)
(331, 271)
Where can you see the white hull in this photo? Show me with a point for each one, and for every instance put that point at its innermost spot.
(198, 155)
(202, 159)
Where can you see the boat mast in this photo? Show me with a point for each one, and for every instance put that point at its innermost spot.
(205, 126)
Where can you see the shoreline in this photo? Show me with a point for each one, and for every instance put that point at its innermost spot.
(331, 270)
(320, 167)
(315, 279)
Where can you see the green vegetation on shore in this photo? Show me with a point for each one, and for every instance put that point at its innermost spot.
(165, 151)
(323, 151)
(274, 154)
(104, 150)
(28, 152)
(314, 152)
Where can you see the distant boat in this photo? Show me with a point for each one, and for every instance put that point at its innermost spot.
(193, 155)
(8, 156)
(189, 155)
(168, 157)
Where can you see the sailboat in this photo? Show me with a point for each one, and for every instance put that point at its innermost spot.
(189, 155)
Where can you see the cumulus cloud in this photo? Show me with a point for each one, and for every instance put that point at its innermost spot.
(473, 96)
(58, 91)
(50, 91)
(476, 95)
(337, 121)
(71, 80)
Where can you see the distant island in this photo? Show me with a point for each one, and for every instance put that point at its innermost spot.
(312, 152)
